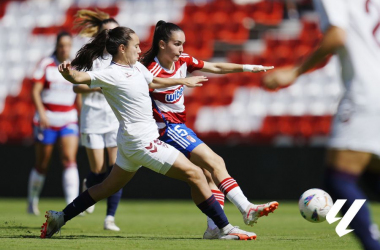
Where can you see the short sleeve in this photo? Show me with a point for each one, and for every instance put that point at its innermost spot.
(332, 13)
(101, 78)
(40, 71)
(147, 74)
(192, 63)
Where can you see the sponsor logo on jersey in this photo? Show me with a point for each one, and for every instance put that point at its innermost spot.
(195, 61)
(190, 138)
(175, 96)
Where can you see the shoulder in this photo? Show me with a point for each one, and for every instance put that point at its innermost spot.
(46, 61)
(188, 59)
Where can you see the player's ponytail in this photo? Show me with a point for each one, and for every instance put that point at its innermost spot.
(91, 51)
(90, 22)
(109, 40)
(162, 31)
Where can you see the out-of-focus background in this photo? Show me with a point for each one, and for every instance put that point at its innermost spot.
(272, 142)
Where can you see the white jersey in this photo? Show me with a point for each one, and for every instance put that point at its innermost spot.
(360, 57)
(96, 115)
(127, 92)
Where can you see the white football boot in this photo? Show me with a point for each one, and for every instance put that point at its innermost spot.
(254, 212)
(109, 224)
(91, 209)
(237, 234)
(53, 224)
(211, 234)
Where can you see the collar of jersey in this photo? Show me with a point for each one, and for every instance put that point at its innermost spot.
(121, 65)
(167, 70)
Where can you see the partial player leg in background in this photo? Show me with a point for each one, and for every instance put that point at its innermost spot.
(37, 176)
(344, 169)
(70, 178)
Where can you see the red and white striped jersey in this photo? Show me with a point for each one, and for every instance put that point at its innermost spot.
(170, 101)
(57, 95)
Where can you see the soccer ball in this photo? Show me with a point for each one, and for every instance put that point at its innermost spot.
(314, 204)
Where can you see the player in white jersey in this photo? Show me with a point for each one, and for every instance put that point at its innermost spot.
(55, 121)
(351, 30)
(166, 59)
(125, 84)
(98, 124)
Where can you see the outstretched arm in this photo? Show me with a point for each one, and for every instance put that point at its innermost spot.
(191, 82)
(333, 39)
(73, 76)
(224, 68)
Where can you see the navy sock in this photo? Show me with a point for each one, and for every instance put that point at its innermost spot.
(113, 200)
(342, 185)
(81, 203)
(93, 179)
(213, 210)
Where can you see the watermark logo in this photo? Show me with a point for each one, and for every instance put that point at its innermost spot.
(341, 228)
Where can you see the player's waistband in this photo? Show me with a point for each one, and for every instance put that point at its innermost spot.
(58, 108)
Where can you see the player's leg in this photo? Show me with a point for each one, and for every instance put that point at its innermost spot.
(344, 169)
(350, 150)
(116, 180)
(70, 178)
(113, 200)
(44, 147)
(166, 160)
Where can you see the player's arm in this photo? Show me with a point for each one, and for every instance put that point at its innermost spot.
(36, 96)
(224, 68)
(73, 76)
(333, 39)
(83, 89)
(191, 82)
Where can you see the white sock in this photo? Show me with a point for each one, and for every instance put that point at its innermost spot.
(70, 181)
(219, 196)
(36, 182)
(232, 191)
(109, 217)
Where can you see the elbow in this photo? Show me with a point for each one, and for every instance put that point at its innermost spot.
(337, 37)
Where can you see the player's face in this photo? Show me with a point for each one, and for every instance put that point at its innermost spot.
(174, 48)
(64, 48)
(133, 50)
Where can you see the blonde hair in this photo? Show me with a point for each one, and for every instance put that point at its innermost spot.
(91, 22)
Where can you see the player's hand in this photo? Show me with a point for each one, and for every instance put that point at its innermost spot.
(280, 78)
(260, 68)
(194, 81)
(44, 121)
(65, 68)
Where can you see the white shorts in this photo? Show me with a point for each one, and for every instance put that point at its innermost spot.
(157, 156)
(98, 141)
(357, 131)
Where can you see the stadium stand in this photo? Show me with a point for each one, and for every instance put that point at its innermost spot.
(228, 109)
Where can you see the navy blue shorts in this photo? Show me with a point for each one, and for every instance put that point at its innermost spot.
(181, 137)
(50, 136)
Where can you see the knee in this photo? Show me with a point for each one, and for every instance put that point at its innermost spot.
(195, 175)
(41, 168)
(216, 164)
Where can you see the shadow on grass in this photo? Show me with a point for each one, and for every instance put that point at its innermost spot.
(77, 237)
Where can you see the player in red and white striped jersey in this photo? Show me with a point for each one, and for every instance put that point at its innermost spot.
(166, 59)
(56, 119)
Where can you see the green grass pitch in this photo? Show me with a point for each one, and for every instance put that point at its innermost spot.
(166, 225)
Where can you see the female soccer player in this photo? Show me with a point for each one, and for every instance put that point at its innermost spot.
(55, 120)
(166, 59)
(125, 84)
(355, 132)
(98, 124)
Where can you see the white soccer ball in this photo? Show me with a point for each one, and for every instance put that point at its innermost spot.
(314, 204)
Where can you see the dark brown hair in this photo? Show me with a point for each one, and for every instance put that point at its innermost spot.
(163, 31)
(107, 39)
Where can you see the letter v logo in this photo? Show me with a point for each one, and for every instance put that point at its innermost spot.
(341, 228)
